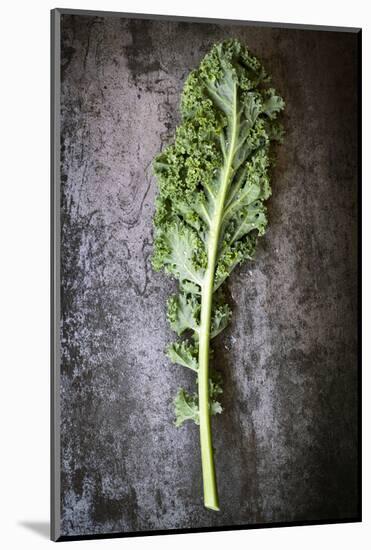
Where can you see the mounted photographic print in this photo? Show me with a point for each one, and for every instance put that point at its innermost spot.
(205, 266)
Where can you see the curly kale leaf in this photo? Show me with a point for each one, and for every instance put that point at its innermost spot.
(213, 182)
(186, 405)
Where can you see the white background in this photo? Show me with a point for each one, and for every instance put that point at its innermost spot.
(24, 272)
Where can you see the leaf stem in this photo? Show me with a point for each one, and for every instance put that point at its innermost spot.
(211, 499)
(207, 458)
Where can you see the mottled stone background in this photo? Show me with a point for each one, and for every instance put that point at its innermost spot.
(286, 445)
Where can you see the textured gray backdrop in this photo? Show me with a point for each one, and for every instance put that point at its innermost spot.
(286, 445)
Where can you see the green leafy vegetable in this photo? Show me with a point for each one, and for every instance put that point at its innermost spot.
(213, 182)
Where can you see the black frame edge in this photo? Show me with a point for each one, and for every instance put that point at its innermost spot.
(54, 273)
(226, 528)
(359, 263)
(190, 19)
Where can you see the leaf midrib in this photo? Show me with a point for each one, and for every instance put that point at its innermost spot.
(216, 222)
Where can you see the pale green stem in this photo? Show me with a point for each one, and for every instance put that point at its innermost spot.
(207, 455)
(207, 459)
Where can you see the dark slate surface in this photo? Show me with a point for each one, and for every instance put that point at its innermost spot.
(286, 445)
